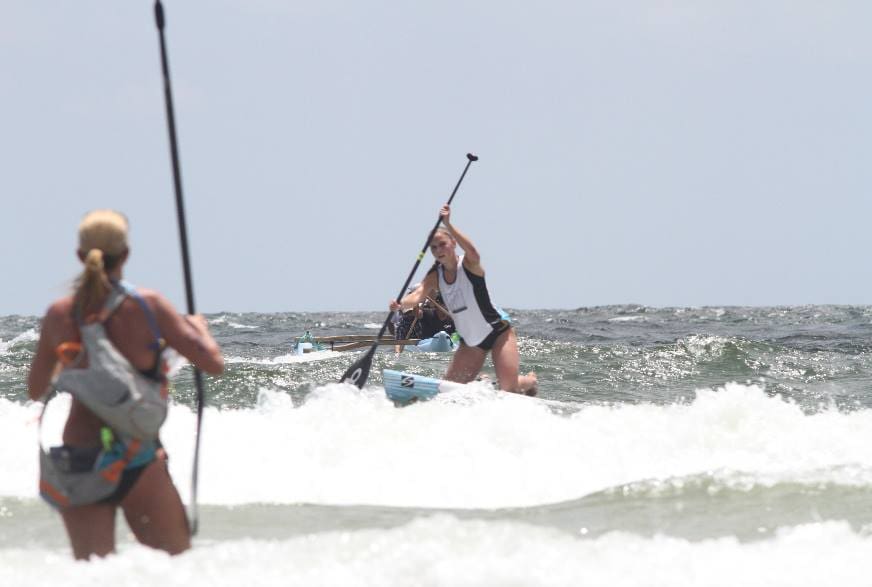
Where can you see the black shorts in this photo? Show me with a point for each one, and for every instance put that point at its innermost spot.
(489, 341)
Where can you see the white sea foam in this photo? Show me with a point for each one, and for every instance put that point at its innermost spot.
(29, 335)
(476, 448)
(224, 320)
(288, 358)
(442, 550)
(627, 319)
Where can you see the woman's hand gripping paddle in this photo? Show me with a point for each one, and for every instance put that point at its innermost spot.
(359, 371)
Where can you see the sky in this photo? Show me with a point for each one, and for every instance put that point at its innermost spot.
(666, 153)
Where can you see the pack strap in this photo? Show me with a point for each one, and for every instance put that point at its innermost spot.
(113, 301)
(130, 290)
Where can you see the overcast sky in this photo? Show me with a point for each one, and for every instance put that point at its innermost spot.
(667, 153)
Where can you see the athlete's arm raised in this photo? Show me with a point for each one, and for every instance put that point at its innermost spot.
(471, 258)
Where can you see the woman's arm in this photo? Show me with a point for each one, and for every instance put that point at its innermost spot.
(471, 258)
(45, 361)
(412, 299)
(189, 335)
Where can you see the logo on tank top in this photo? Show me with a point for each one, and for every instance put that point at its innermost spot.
(453, 295)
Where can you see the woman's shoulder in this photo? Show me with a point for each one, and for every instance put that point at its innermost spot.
(60, 308)
(150, 305)
(152, 296)
(58, 322)
(155, 300)
(473, 267)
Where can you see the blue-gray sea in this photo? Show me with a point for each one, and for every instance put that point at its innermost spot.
(668, 446)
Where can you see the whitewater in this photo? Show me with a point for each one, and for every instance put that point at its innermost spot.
(669, 446)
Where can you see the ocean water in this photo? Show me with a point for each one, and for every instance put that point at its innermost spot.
(669, 446)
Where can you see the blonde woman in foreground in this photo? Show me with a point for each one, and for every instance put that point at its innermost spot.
(103, 344)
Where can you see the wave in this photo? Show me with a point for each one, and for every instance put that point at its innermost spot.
(30, 335)
(287, 359)
(477, 448)
(443, 550)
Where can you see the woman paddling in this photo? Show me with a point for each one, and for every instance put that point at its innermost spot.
(460, 280)
(103, 344)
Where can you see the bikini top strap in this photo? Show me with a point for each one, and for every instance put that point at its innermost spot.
(130, 290)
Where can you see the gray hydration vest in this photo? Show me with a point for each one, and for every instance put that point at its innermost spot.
(130, 403)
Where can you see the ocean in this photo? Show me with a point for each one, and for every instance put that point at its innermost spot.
(668, 446)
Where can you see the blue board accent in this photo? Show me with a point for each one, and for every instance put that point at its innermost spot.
(438, 343)
(408, 387)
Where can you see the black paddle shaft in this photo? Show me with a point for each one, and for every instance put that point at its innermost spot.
(183, 237)
(359, 371)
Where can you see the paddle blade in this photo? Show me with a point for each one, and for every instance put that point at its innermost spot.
(359, 371)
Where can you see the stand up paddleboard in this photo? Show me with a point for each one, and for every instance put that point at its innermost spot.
(405, 388)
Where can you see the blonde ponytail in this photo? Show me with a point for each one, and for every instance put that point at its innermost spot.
(92, 284)
(102, 244)
(94, 261)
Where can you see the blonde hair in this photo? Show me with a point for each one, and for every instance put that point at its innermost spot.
(102, 244)
(444, 231)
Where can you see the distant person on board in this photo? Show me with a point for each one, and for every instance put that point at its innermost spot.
(460, 281)
(106, 341)
(424, 320)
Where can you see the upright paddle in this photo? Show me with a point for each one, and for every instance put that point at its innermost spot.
(183, 236)
(359, 371)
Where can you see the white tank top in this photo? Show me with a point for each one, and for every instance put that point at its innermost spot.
(469, 303)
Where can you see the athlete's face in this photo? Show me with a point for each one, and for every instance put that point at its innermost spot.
(442, 247)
